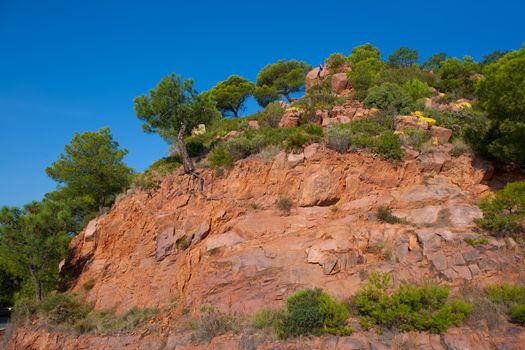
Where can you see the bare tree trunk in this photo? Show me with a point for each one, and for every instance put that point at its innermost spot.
(186, 160)
(37, 284)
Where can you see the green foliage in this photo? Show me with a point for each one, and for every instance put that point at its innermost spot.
(503, 214)
(335, 62)
(476, 241)
(363, 53)
(389, 97)
(152, 177)
(33, 240)
(425, 308)
(457, 77)
(231, 94)
(403, 57)
(319, 97)
(280, 79)
(91, 171)
(502, 94)
(512, 296)
(253, 141)
(415, 138)
(384, 214)
(272, 114)
(264, 318)
(369, 134)
(9, 285)
(417, 89)
(517, 314)
(284, 204)
(493, 57)
(434, 62)
(67, 311)
(172, 109)
(311, 311)
(364, 74)
(212, 323)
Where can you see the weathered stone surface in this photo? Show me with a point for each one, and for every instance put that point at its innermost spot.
(339, 82)
(245, 253)
(443, 135)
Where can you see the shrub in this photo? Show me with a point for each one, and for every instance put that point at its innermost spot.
(284, 204)
(388, 145)
(517, 314)
(384, 214)
(272, 114)
(367, 134)
(512, 296)
(335, 62)
(364, 75)
(212, 323)
(417, 89)
(476, 241)
(63, 309)
(415, 138)
(311, 311)
(503, 214)
(220, 157)
(264, 318)
(152, 177)
(425, 308)
(389, 97)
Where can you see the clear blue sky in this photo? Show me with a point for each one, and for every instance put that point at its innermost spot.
(72, 66)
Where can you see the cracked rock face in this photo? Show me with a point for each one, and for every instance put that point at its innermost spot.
(230, 246)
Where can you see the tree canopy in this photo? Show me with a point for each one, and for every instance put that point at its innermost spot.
(280, 79)
(434, 62)
(91, 171)
(33, 240)
(172, 109)
(362, 53)
(502, 94)
(231, 94)
(403, 57)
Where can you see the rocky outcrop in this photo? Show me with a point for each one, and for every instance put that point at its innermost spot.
(230, 246)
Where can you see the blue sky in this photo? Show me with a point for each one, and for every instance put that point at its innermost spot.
(72, 66)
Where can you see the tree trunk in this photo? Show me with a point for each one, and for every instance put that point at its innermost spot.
(36, 283)
(186, 160)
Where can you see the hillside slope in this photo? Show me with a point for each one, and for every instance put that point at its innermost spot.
(231, 247)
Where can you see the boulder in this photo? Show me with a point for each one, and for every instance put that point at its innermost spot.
(312, 78)
(442, 135)
(253, 124)
(339, 82)
(290, 118)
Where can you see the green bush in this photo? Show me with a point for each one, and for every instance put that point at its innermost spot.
(69, 312)
(311, 311)
(517, 314)
(476, 241)
(272, 114)
(384, 214)
(368, 134)
(425, 308)
(335, 62)
(152, 177)
(388, 145)
(220, 157)
(417, 89)
(512, 296)
(503, 214)
(415, 138)
(364, 75)
(389, 97)
(264, 318)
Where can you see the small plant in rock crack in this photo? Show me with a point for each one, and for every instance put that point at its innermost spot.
(385, 215)
(284, 204)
